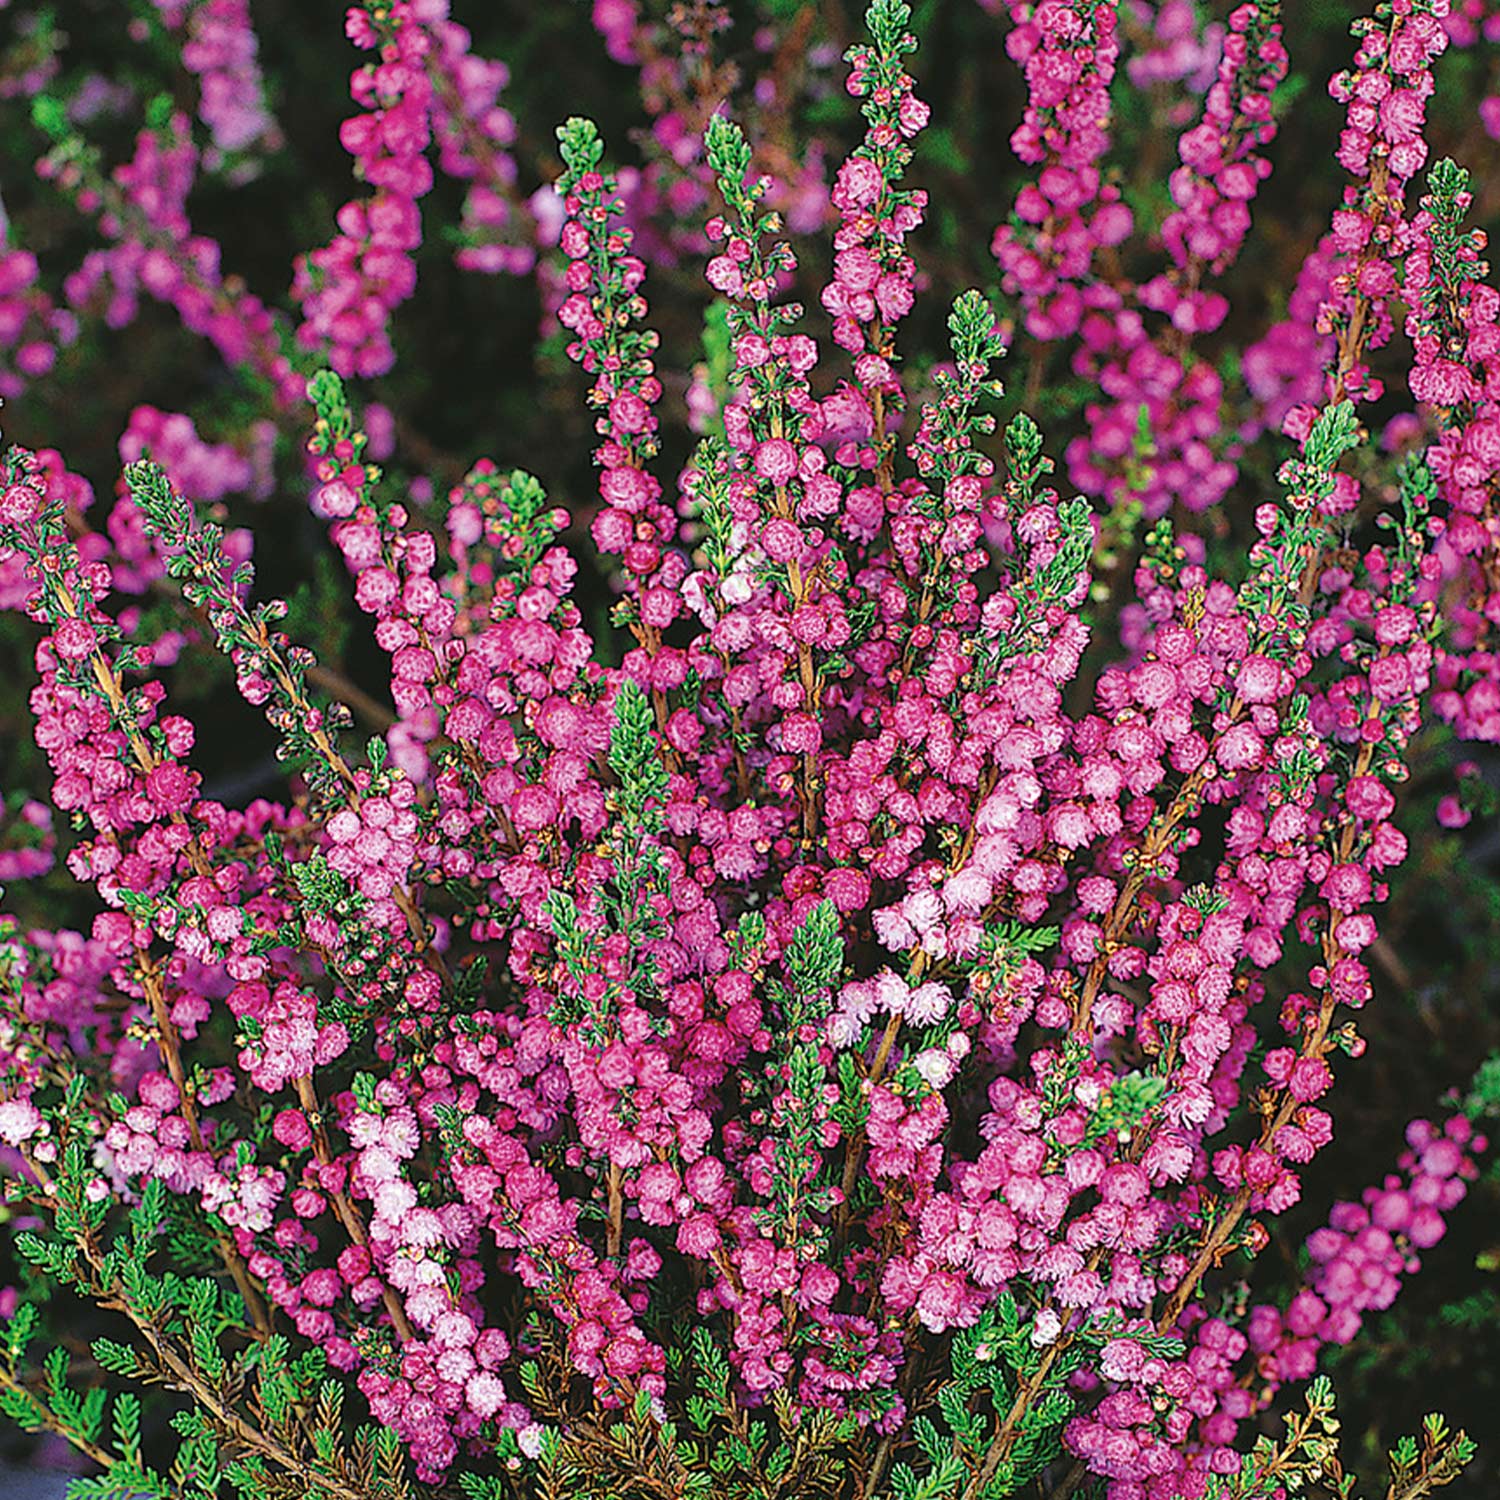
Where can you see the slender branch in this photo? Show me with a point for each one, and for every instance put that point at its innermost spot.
(45, 1420)
(344, 1206)
(169, 1043)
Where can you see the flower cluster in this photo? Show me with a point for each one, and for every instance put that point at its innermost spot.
(221, 47)
(425, 85)
(142, 210)
(1068, 53)
(1162, 392)
(32, 328)
(1359, 1258)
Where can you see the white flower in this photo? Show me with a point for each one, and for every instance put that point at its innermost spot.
(936, 1067)
(928, 1003)
(20, 1119)
(890, 993)
(860, 999)
(1045, 1328)
(737, 588)
(892, 929)
(923, 909)
(842, 1030)
(968, 891)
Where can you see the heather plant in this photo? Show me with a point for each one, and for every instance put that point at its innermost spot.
(820, 967)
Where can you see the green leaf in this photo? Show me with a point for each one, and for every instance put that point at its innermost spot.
(887, 22)
(929, 1440)
(815, 955)
(582, 150)
(971, 325)
(728, 156)
(146, 1216)
(165, 511)
(127, 1423)
(634, 755)
(477, 1488)
(1333, 434)
(20, 1331)
(26, 1412)
(50, 115)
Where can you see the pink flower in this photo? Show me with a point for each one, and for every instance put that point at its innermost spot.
(858, 184)
(74, 639)
(776, 461)
(18, 504)
(20, 1120)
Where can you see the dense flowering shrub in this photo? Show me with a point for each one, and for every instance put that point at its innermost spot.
(827, 1020)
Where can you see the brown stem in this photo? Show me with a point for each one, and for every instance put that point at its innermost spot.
(45, 1420)
(1278, 1113)
(332, 681)
(878, 1466)
(887, 1449)
(344, 1206)
(333, 758)
(615, 1230)
(187, 1380)
(175, 1371)
(917, 967)
(1025, 1395)
(169, 1043)
(856, 1154)
(1071, 1480)
(1158, 841)
(801, 591)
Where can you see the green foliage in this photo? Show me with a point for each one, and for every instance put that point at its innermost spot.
(335, 416)
(710, 493)
(887, 22)
(1334, 432)
(1271, 593)
(728, 155)
(1454, 251)
(531, 525)
(624, 904)
(1483, 1097)
(1037, 591)
(1307, 1461)
(635, 757)
(1023, 448)
(991, 1363)
(951, 424)
(974, 337)
(188, 1336)
(582, 150)
(815, 955)
(476, 1488)
(813, 962)
(1448, 184)
(718, 360)
(250, 634)
(1130, 1099)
